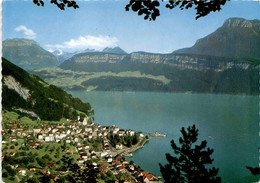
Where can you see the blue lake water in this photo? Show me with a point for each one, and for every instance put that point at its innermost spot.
(230, 124)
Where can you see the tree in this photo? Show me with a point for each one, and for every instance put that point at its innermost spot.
(150, 8)
(190, 161)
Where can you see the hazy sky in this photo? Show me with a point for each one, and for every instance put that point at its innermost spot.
(97, 24)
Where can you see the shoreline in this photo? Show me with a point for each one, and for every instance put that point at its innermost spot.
(127, 151)
(135, 148)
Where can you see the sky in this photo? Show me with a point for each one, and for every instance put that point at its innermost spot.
(98, 24)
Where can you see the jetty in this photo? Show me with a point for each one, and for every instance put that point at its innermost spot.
(156, 134)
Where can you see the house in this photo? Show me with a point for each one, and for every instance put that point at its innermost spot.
(84, 156)
(147, 177)
(115, 162)
(121, 169)
(80, 160)
(114, 129)
(76, 139)
(34, 146)
(103, 154)
(109, 159)
(85, 121)
(88, 129)
(130, 132)
(68, 141)
(63, 135)
(131, 167)
(103, 128)
(125, 162)
(47, 139)
(79, 147)
(68, 132)
(12, 154)
(32, 169)
(107, 148)
(119, 146)
(54, 130)
(40, 136)
(140, 134)
(14, 140)
(82, 151)
(103, 167)
(36, 130)
(3, 132)
(93, 156)
(44, 172)
(22, 172)
(121, 132)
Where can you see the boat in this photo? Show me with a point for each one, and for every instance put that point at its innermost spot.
(156, 134)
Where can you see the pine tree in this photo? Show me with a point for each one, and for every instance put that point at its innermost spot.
(190, 163)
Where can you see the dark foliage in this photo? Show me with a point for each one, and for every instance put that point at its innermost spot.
(126, 140)
(190, 161)
(61, 5)
(254, 171)
(150, 8)
(87, 174)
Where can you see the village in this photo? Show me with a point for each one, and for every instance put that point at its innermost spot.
(42, 150)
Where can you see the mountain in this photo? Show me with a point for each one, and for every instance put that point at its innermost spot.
(227, 61)
(90, 50)
(29, 94)
(28, 54)
(156, 72)
(115, 50)
(236, 38)
(62, 55)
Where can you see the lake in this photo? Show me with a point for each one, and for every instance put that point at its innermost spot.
(228, 123)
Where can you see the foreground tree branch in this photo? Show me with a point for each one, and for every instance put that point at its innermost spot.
(150, 8)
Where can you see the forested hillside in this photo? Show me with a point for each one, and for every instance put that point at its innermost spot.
(29, 92)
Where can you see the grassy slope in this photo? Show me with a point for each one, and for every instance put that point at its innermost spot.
(63, 78)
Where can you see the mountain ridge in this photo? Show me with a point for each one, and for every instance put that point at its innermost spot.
(236, 38)
(28, 54)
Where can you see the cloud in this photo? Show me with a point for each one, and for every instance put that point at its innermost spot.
(28, 33)
(84, 42)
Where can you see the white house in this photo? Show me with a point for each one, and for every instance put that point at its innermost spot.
(22, 172)
(54, 130)
(80, 160)
(40, 136)
(119, 146)
(36, 130)
(103, 154)
(47, 139)
(84, 156)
